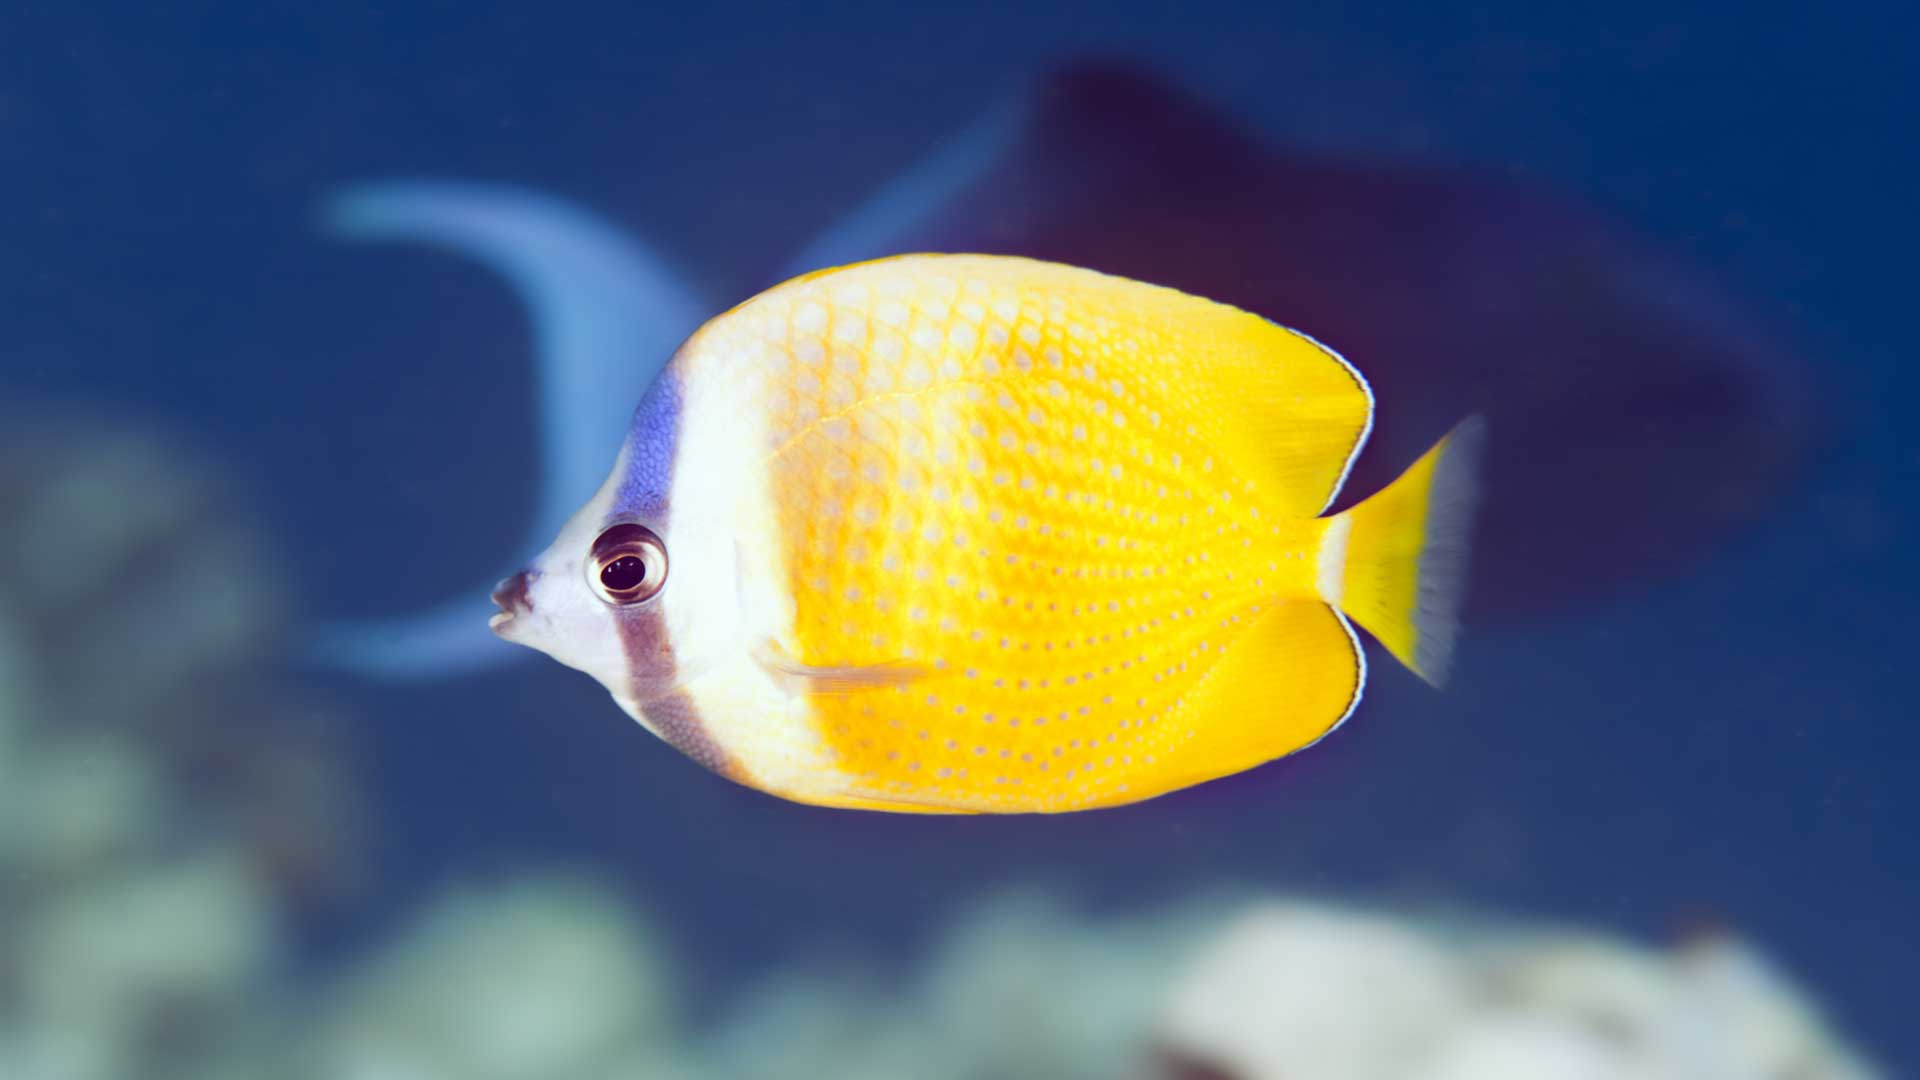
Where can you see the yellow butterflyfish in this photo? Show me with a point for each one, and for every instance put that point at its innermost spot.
(967, 533)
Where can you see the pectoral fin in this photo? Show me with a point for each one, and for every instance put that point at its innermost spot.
(834, 678)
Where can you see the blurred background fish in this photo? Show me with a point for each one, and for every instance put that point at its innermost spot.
(1645, 416)
(1653, 418)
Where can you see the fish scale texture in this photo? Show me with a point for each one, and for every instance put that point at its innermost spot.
(1065, 502)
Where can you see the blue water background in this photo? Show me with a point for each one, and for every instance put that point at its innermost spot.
(1735, 745)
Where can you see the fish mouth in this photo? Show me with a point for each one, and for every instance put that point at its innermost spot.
(511, 596)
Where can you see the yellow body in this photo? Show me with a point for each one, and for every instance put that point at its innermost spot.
(1050, 539)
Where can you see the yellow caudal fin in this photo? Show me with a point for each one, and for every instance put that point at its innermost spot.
(1405, 562)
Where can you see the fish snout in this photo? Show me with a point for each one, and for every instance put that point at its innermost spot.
(511, 596)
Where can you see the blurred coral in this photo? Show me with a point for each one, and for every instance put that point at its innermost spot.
(137, 588)
(1021, 985)
(152, 835)
(548, 976)
(537, 979)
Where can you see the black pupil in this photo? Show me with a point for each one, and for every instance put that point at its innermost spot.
(624, 573)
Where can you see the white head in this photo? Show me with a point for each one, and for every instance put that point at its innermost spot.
(627, 593)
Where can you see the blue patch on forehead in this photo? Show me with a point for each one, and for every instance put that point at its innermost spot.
(653, 439)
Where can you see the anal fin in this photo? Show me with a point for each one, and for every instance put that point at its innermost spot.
(1295, 674)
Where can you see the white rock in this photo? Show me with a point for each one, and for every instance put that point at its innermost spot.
(1288, 992)
(1521, 1047)
(1598, 984)
(1294, 990)
(1760, 1024)
(1025, 986)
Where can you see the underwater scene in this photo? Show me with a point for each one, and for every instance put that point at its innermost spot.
(965, 542)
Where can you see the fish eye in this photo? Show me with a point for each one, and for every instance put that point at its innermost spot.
(628, 565)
